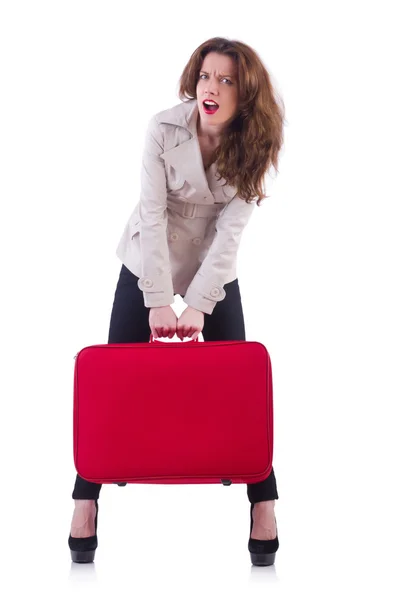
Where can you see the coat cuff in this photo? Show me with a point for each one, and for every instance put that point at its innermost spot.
(204, 300)
(156, 292)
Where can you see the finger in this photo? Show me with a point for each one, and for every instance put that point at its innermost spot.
(165, 332)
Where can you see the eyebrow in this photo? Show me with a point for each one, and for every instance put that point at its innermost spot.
(221, 74)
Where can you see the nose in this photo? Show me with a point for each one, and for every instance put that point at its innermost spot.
(212, 87)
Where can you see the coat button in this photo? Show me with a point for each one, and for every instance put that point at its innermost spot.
(215, 292)
(174, 237)
(148, 283)
(197, 241)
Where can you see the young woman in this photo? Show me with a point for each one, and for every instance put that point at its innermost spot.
(203, 169)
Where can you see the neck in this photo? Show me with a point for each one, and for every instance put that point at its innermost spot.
(212, 134)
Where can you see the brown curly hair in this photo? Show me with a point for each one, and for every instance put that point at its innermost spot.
(252, 142)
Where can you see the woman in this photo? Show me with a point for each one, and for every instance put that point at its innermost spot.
(204, 163)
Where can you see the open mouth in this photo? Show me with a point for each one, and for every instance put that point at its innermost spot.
(210, 107)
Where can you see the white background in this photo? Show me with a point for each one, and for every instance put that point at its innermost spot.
(317, 271)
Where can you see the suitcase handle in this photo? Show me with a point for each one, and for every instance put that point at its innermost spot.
(152, 339)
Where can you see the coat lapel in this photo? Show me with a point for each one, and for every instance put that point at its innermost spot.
(186, 157)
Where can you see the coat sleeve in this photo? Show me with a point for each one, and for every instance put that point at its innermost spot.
(206, 288)
(156, 281)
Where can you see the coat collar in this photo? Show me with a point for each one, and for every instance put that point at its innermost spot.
(186, 157)
(183, 115)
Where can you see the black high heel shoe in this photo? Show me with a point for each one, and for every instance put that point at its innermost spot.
(263, 552)
(83, 549)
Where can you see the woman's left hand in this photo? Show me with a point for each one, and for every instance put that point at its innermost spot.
(190, 323)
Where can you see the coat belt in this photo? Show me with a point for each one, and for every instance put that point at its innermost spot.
(191, 211)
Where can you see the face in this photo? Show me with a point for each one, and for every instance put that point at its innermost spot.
(217, 81)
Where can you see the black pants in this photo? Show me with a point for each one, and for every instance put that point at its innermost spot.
(129, 323)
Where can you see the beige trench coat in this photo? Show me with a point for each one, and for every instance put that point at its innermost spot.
(183, 234)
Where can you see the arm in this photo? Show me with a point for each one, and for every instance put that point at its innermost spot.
(206, 288)
(156, 281)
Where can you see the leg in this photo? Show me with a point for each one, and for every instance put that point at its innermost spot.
(263, 490)
(129, 323)
(227, 323)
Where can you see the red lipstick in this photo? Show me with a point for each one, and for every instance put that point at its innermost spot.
(210, 110)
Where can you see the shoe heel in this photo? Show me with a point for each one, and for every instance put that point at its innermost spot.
(263, 560)
(82, 556)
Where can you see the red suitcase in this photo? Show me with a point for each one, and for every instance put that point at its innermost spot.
(173, 412)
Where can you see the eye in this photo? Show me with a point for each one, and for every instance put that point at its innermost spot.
(223, 79)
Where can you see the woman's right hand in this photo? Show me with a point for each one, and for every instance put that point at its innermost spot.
(162, 321)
